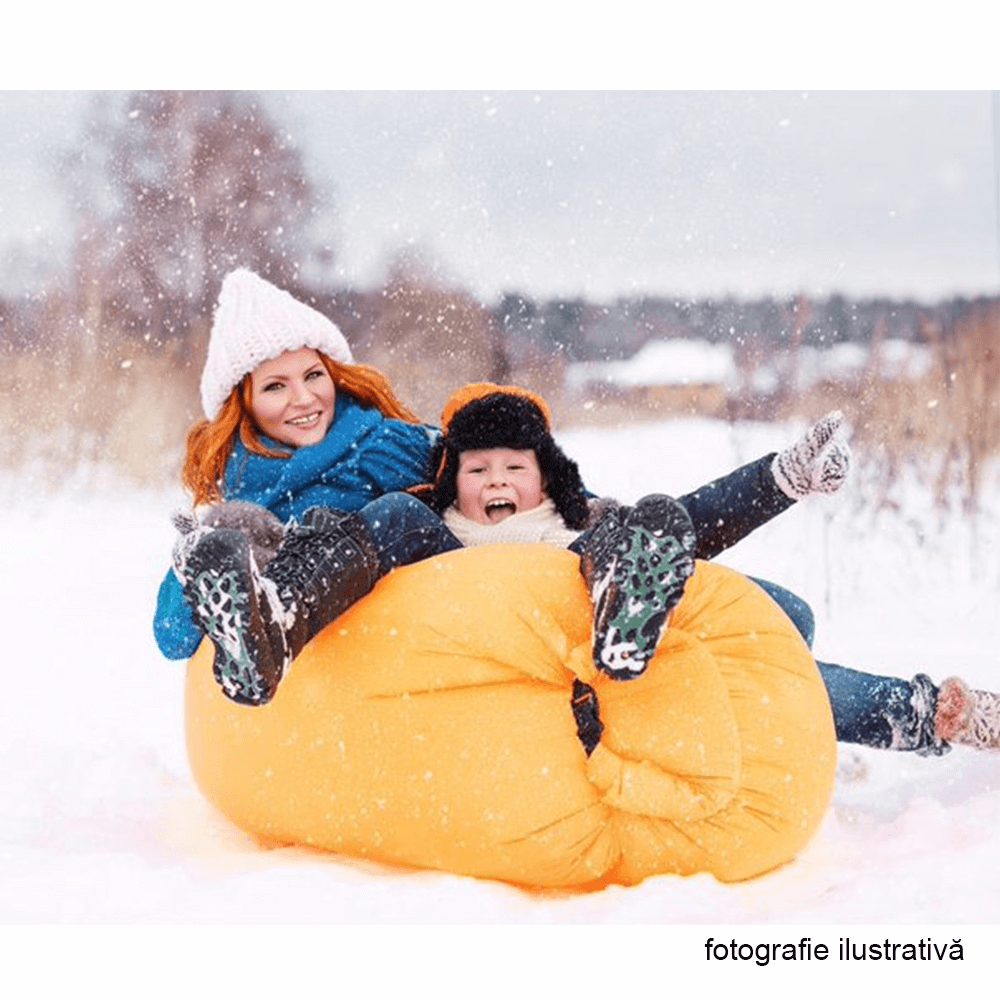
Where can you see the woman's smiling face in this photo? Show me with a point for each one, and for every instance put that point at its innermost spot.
(292, 397)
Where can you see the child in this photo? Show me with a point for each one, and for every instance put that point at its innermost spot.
(498, 476)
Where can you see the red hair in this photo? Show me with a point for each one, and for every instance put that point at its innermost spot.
(210, 442)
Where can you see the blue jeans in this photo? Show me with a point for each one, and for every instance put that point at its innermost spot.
(884, 712)
(405, 530)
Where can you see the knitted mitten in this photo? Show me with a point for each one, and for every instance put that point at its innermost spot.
(969, 717)
(818, 463)
(190, 531)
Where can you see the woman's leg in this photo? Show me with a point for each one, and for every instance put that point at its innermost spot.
(334, 559)
(260, 620)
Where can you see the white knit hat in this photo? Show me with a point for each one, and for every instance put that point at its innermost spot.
(254, 322)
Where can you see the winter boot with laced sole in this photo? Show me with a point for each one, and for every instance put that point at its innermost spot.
(239, 612)
(636, 564)
(971, 718)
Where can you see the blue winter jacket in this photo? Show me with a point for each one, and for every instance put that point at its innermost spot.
(362, 456)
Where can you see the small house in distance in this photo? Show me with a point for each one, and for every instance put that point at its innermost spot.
(665, 376)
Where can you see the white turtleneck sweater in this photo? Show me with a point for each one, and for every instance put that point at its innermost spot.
(540, 524)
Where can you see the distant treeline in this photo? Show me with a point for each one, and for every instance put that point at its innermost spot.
(581, 330)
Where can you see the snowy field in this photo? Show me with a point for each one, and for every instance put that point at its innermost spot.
(101, 823)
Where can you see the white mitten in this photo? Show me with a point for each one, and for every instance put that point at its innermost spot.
(818, 463)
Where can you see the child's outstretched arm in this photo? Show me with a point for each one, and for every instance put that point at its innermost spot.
(729, 508)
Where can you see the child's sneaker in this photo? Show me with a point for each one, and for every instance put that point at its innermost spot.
(636, 565)
(240, 611)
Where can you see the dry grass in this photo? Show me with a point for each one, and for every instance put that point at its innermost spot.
(96, 397)
(96, 401)
(429, 341)
(945, 423)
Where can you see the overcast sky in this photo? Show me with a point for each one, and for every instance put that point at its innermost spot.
(608, 193)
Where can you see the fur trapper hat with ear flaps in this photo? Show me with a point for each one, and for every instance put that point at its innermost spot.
(254, 322)
(484, 415)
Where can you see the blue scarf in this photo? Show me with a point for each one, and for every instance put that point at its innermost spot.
(362, 456)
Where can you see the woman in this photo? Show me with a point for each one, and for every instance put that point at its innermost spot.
(293, 424)
(317, 430)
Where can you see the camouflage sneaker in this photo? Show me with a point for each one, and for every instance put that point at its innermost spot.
(636, 567)
(240, 612)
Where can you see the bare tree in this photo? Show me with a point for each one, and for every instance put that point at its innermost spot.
(429, 339)
(173, 190)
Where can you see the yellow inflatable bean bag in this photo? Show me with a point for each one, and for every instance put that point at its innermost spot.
(431, 726)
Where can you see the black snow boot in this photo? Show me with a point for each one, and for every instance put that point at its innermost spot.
(260, 622)
(324, 565)
(635, 564)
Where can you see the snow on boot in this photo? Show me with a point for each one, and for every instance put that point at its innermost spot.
(324, 565)
(911, 720)
(190, 532)
(240, 612)
(969, 717)
(636, 563)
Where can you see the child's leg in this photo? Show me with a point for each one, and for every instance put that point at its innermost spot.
(797, 610)
(635, 562)
(892, 713)
(885, 712)
(888, 713)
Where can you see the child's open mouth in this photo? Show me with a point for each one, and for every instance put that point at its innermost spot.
(498, 510)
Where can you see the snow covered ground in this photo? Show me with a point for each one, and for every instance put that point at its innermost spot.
(101, 823)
